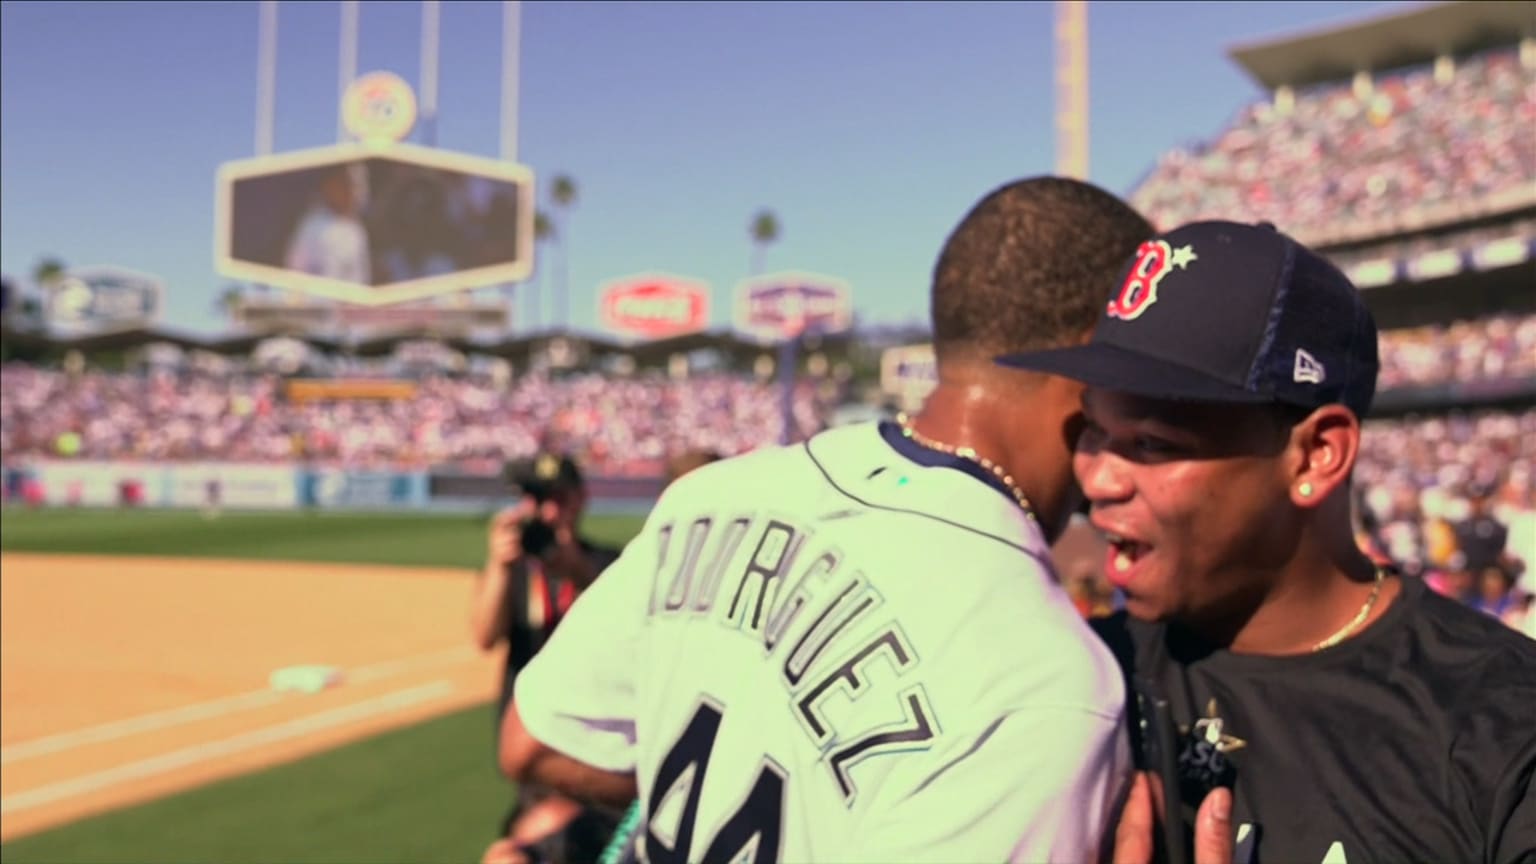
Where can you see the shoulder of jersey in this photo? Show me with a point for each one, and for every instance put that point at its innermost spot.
(852, 467)
(720, 481)
(862, 467)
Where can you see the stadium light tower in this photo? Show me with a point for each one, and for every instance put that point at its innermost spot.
(266, 75)
(347, 67)
(511, 39)
(1072, 88)
(431, 37)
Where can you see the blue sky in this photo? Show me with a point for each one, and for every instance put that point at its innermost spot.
(868, 127)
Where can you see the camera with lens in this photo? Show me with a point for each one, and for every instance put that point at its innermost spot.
(540, 478)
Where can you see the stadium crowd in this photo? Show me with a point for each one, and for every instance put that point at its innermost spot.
(1454, 497)
(1334, 161)
(614, 426)
(1487, 349)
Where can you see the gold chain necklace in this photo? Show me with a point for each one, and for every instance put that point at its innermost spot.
(1360, 616)
(970, 455)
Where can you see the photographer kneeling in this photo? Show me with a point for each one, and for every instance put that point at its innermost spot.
(536, 566)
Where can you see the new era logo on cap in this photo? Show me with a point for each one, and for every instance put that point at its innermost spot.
(1219, 312)
(1307, 370)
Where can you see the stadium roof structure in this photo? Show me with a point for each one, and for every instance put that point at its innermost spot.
(244, 343)
(381, 344)
(1386, 42)
(124, 339)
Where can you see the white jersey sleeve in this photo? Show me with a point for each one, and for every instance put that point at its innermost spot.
(579, 694)
(1037, 784)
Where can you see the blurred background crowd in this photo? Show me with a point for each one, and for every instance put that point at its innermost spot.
(614, 426)
(1486, 349)
(1334, 163)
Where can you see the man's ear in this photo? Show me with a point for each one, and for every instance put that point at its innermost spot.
(1326, 443)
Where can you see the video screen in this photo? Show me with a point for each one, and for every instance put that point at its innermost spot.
(375, 222)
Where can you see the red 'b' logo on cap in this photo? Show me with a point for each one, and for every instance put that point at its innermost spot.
(1153, 261)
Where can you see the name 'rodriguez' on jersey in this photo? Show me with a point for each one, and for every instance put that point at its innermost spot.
(833, 652)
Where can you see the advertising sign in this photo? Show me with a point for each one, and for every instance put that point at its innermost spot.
(784, 305)
(95, 299)
(654, 305)
(909, 373)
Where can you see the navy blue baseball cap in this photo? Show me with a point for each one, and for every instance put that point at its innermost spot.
(1227, 312)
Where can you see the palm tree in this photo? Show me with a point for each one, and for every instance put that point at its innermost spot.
(30, 311)
(543, 235)
(228, 301)
(764, 232)
(562, 194)
(48, 271)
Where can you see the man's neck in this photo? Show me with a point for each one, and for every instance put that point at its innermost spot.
(972, 412)
(1313, 600)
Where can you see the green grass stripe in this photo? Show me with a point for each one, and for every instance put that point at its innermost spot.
(427, 793)
(455, 540)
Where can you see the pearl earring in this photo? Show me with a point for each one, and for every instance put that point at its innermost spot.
(1305, 489)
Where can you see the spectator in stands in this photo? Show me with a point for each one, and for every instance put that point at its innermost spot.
(537, 564)
(1495, 593)
(1480, 537)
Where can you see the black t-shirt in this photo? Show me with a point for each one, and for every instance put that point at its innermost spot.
(536, 601)
(1414, 741)
(1481, 540)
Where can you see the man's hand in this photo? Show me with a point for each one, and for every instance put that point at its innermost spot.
(525, 759)
(503, 851)
(1134, 842)
(505, 539)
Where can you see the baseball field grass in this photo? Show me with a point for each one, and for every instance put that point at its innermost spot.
(424, 793)
(426, 540)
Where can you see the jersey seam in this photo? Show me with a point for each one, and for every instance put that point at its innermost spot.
(1073, 707)
(826, 475)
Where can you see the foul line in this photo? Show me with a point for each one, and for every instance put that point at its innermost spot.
(133, 725)
(388, 668)
(227, 747)
(213, 708)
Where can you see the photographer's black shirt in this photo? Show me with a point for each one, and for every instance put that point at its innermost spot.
(536, 601)
(1414, 741)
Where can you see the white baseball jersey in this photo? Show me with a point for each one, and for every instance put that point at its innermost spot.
(831, 652)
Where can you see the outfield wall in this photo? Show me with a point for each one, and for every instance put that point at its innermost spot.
(279, 486)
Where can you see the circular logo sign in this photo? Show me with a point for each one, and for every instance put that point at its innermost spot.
(379, 106)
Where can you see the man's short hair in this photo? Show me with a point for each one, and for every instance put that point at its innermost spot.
(1030, 267)
(688, 460)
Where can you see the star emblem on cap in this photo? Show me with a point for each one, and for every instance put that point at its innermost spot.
(1182, 256)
